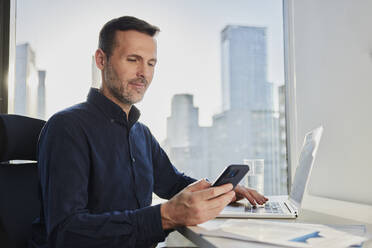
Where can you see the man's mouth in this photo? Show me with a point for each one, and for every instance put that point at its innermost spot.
(138, 83)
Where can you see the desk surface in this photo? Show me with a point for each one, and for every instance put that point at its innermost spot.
(306, 216)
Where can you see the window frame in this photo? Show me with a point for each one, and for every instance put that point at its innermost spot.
(290, 90)
(4, 54)
(7, 51)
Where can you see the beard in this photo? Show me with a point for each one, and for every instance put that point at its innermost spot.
(118, 90)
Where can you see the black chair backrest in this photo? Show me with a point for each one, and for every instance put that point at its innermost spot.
(19, 203)
(19, 186)
(18, 137)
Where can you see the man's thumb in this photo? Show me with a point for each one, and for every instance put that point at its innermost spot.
(198, 185)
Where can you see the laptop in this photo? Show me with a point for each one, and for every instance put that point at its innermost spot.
(282, 207)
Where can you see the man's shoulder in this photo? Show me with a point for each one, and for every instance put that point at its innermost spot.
(143, 129)
(140, 126)
(70, 116)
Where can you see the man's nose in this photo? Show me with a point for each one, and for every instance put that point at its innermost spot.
(141, 71)
(145, 71)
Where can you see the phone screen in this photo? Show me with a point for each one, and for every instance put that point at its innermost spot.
(232, 174)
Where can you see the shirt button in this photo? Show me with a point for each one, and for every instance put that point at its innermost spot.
(112, 120)
(133, 160)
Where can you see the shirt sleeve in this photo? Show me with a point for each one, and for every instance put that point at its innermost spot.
(168, 181)
(64, 169)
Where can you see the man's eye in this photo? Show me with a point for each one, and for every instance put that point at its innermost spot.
(131, 59)
(152, 64)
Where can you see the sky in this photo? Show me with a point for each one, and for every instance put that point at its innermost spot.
(64, 36)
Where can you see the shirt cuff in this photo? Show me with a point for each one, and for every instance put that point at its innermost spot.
(149, 224)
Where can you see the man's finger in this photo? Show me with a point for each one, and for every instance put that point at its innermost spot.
(213, 192)
(250, 198)
(246, 193)
(197, 186)
(260, 199)
(220, 201)
(213, 207)
(252, 195)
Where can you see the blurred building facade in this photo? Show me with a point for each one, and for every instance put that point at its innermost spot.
(29, 88)
(249, 125)
(186, 141)
(283, 162)
(96, 75)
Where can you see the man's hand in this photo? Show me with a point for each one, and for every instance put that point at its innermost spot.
(196, 204)
(252, 195)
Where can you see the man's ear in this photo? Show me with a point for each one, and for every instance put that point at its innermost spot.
(100, 58)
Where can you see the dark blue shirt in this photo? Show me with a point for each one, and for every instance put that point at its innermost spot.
(98, 171)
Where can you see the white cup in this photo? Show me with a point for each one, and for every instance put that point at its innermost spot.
(255, 176)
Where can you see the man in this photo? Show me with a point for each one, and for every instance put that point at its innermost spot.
(99, 166)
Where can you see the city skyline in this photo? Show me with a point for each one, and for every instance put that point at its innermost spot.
(188, 49)
(248, 127)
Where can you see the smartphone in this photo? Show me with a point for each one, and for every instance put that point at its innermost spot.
(232, 174)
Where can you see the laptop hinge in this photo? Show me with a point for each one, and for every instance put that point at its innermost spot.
(287, 207)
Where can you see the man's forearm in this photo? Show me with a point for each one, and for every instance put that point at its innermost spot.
(111, 229)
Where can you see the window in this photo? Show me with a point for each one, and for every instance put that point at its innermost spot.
(217, 97)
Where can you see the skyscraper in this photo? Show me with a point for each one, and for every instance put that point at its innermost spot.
(248, 125)
(283, 165)
(96, 75)
(41, 111)
(29, 90)
(186, 141)
(244, 69)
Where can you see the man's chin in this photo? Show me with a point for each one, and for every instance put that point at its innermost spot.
(135, 100)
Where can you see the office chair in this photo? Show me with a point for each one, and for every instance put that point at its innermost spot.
(19, 188)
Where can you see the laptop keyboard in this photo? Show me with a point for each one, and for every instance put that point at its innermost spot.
(270, 207)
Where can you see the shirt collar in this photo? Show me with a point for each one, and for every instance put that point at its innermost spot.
(111, 109)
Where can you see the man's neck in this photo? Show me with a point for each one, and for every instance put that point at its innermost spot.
(125, 107)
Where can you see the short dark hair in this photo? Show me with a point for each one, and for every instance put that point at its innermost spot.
(107, 34)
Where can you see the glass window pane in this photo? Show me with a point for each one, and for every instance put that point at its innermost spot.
(218, 95)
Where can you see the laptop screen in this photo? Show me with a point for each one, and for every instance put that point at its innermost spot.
(305, 164)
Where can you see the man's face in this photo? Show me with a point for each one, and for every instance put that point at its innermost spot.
(130, 68)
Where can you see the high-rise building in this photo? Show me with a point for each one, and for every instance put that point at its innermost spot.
(283, 164)
(248, 125)
(186, 141)
(96, 75)
(29, 89)
(244, 69)
(41, 111)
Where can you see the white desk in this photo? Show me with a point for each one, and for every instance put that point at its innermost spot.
(193, 232)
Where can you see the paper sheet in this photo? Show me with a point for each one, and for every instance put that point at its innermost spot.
(284, 234)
